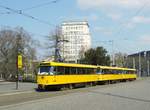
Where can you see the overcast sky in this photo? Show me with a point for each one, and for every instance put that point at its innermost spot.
(126, 22)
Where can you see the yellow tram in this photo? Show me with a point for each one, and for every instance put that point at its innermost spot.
(52, 74)
(116, 73)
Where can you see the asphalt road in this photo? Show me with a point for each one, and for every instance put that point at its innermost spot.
(123, 96)
(11, 87)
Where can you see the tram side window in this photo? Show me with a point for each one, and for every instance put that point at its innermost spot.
(84, 71)
(109, 72)
(131, 72)
(52, 70)
(73, 70)
(67, 70)
(60, 70)
(81, 71)
(105, 71)
(134, 72)
(124, 72)
(127, 72)
(119, 71)
(91, 71)
(114, 72)
(99, 71)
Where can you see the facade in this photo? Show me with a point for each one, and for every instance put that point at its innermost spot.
(140, 61)
(76, 40)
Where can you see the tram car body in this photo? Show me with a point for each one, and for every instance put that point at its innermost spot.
(56, 74)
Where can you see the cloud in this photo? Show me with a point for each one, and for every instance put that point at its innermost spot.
(98, 4)
(114, 16)
(90, 17)
(133, 22)
(93, 17)
(103, 30)
(145, 39)
(141, 19)
(129, 25)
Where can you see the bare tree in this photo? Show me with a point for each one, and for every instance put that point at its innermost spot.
(13, 41)
(81, 54)
(120, 59)
(54, 42)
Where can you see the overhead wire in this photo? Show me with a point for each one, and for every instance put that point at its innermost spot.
(36, 6)
(40, 5)
(5, 12)
(26, 15)
(128, 20)
(139, 10)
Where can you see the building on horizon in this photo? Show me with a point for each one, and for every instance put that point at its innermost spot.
(76, 40)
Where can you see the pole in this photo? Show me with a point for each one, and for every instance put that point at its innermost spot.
(113, 52)
(113, 57)
(63, 49)
(147, 67)
(17, 79)
(139, 64)
(18, 59)
(76, 46)
(133, 62)
(17, 72)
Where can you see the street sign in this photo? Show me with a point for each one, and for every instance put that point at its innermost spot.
(19, 62)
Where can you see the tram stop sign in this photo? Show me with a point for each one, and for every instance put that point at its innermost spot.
(19, 62)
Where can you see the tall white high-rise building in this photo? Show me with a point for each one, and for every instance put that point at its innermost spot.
(76, 40)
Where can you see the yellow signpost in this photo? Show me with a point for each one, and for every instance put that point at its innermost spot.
(19, 67)
(19, 63)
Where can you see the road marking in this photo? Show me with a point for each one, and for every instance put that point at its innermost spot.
(15, 93)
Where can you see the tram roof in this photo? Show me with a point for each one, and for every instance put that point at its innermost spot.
(83, 66)
(116, 68)
(66, 64)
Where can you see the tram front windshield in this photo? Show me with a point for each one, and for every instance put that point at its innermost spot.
(46, 70)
